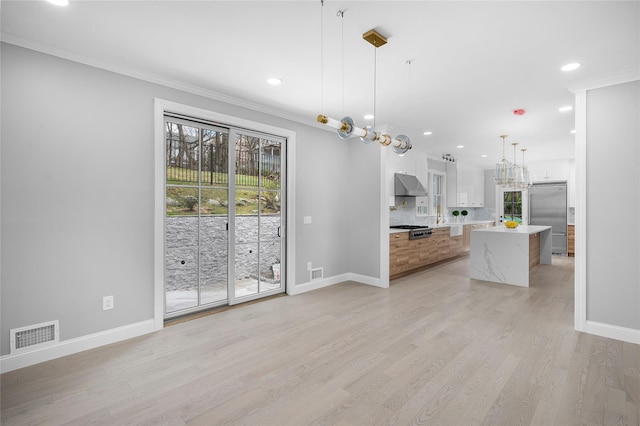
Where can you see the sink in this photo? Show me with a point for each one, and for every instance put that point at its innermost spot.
(455, 230)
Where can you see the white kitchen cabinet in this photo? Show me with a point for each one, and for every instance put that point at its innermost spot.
(470, 188)
(489, 189)
(465, 186)
(452, 184)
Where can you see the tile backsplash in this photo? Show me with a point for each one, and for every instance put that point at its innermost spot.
(405, 214)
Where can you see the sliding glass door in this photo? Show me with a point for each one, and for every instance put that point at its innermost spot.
(204, 207)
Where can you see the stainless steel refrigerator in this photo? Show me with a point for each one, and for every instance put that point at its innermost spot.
(548, 207)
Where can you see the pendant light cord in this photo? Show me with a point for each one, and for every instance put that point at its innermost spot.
(322, 55)
(341, 14)
(375, 83)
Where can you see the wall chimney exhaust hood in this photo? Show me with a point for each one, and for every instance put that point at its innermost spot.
(408, 186)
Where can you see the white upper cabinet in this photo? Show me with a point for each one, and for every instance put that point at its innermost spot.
(452, 184)
(470, 188)
(489, 189)
(465, 186)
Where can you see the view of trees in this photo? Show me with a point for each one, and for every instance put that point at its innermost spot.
(197, 156)
(513, 205)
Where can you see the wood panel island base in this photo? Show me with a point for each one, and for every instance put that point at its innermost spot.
(507, 256)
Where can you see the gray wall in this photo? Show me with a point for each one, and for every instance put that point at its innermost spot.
(613, 229)
(364, 207)
(77, 194)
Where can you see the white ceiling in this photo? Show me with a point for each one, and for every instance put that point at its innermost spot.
(472, 63)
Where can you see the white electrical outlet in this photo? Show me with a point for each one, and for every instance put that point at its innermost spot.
(107, 303)
(307, 220)
(309, 267)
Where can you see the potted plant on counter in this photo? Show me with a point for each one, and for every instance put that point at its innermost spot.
(464, 214)
(456, 213)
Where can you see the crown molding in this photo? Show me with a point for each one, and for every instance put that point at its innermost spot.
(157, 79)
(609, 80)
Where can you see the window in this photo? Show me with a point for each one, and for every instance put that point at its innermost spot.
(436, 193)
(513, 206)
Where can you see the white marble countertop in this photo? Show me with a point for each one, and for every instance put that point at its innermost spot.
(522, 229)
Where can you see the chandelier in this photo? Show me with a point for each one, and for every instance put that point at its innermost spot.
(346, 127)
(509, 174)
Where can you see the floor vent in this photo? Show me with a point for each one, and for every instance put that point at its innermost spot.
(34, 336)
(316, 274)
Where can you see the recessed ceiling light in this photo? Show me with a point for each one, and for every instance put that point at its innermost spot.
(565, 108)
(59, 2)
(570, 67)
(368, 117)
(427, 133)
(460, 146)
(483, 156)
(573, 131)
(274, 81)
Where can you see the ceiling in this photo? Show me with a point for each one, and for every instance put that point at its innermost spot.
(457, 69)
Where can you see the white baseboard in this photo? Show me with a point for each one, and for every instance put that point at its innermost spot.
(613, 332)
(315, 285)
(365, 279)
(72, 346)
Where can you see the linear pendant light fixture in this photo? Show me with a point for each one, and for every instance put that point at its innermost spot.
(346, 126)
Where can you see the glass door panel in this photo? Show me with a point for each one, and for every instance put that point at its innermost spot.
(258, 220)
(214, 218)
(197, 209)
(182, 154)
(246, 234)
(181, 279)
(215, 154)
(270, 215)
(246, 269)
(181, 248)
(270, 266)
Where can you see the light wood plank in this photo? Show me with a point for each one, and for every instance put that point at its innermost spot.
(435, 348)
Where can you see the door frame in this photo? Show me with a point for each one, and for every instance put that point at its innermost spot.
(500, 203)
(160, 107)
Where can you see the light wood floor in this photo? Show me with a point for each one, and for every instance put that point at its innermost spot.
(434, 349)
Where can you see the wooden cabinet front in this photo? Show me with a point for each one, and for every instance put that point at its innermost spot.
(440, 238)
(466, 234)
(534, 250)
(571, 240)
(398, 253)
(406, 255)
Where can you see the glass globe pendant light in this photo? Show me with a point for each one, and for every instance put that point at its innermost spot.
(500, 175)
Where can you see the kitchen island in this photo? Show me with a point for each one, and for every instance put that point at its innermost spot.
(445, 242)
(507, 256)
